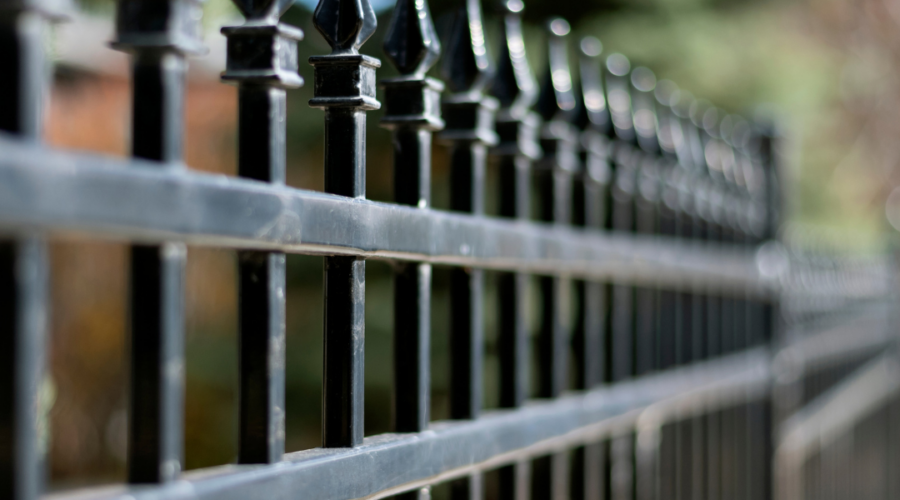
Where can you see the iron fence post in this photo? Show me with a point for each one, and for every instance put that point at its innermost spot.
(625, 157)
(158, 34)
(517, 127)
(590, 207)
(23, 263)
(345, 89)
(469, 115)
(647, 207)
(559, 141)
(709, 205)
(693, 228)
(676, 454)
(262, 109)
(769, 147)
(621, 217)
(735, 132)
(412, 113)
(646, 212)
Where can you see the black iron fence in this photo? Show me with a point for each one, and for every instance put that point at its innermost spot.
(682, 352)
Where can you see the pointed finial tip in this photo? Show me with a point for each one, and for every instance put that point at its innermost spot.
(698, 110)
(513, 6)
(590, 46)
(256, 9)
(411, 42)
(741, 132)
(726, 127)
(667, 93)
(345, 24)
(684, 104)
(559, 27)
(465, 66)
(710, 119)
(643, 79)
(617, 64)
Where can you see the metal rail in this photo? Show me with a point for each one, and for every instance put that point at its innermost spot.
(392, 463)
(138, 201)
(655, 251)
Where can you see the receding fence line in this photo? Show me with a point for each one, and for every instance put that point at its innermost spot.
(655, 253)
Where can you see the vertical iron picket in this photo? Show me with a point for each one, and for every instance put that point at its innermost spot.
(345, 89)
(590, 192)
(675, 452)
(159, 35)
(646, 207)
(769, 138)
(707, 205)
(672, 347)
(23, 262)
(625, 158)
(412, 112)
(621, 216)
(648, 185)
(517, 127)
(559, 141)
(262, 84)
(694, 302)
(469, 115)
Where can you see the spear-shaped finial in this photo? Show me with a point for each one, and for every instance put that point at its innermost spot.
(703, 115)
(643, 83)
(345, 24)
(262, 9)
(592, 111)
(618, 96)
(514, 85)
(669, 132)
(466, 66)
(411, 42)
(738, 139)
(557, 99)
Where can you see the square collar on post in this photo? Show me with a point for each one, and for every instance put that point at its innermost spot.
(470, 117)
(344, 81)
(596, 167)
(559, 140)
(160, 24)
(265, 54)
(518, 136)
(412, 101)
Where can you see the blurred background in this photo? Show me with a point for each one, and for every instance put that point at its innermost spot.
(827, 67)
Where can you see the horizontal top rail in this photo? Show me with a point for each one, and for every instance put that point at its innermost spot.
(134, 200)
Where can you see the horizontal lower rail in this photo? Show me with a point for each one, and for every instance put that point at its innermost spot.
(839, 410)
(391, 463)
(133, 200)
(856, 333)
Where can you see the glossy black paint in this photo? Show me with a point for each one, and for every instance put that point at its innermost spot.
(591, 188)
(159, 35)
(24, 268)
(518, 126)
(554, 186)
(691, 195)
(469, 133)
(262, 61)
(412, 112)
(621, 349)
(345, 90)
